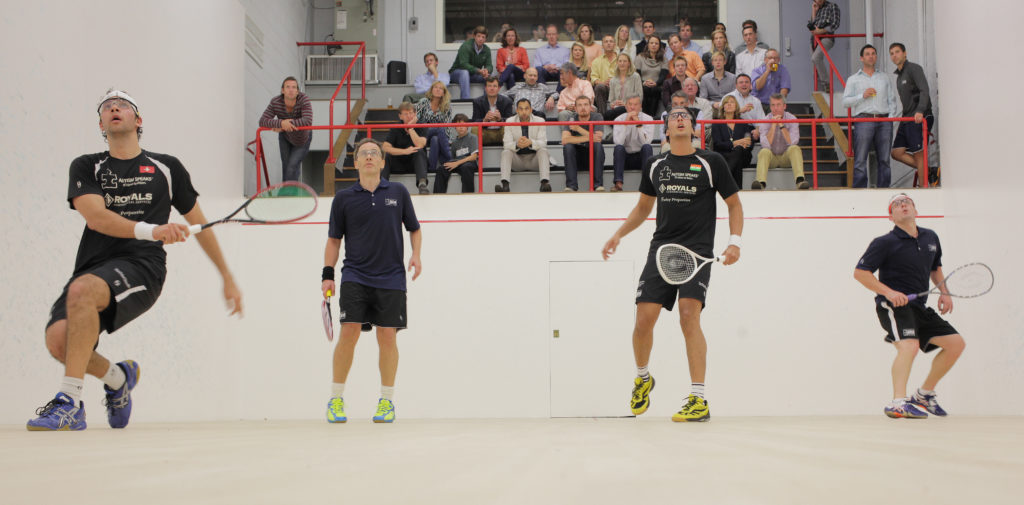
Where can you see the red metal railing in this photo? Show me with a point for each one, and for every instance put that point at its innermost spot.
(832, 69)
(480, 144)
(346, 80)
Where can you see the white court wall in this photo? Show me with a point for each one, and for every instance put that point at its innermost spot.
(788, 326)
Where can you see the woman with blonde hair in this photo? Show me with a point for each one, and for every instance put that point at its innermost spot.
(585, 36)
(624, 44)
(625, 83)
(719, 42)
(732, 140)
(436, 107)
(578, 57)
(653, 70)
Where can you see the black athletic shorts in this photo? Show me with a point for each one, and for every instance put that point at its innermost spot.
(369, 306)
(134, 288)
(912, 320)
(654, 289)
(908, 135)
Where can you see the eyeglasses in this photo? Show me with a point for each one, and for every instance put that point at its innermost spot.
(369, 154)
(901, 202)
(678, 115)
(116, 102)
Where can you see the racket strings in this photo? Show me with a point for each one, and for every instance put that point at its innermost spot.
(282, 204)
(677, 265)
(970, 280)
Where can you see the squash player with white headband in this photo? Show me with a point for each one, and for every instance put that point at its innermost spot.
(125, 195)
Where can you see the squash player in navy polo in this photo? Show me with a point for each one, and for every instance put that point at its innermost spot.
(905, 259)
(683, 182)
(369, 216)
(125, 195)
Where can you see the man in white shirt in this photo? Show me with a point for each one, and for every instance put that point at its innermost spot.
(632, 142)
(750, 106)
(526, 147)
(869, 95)
(751, 56)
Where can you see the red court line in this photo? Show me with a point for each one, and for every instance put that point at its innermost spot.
(596, 219)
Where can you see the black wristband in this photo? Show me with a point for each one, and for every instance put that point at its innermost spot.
(328, 274)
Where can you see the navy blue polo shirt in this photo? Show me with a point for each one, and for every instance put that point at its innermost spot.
(371, 224)
(904, 263)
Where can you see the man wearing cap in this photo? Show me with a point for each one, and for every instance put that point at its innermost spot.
(683, 183)
(905, 259)
(125, 195)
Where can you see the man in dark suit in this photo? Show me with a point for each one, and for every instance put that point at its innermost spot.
(492, 107)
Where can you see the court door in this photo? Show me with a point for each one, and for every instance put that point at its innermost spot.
(591, 317)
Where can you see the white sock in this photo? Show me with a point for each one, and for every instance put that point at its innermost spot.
(697, 389)
(73, 388)
(924, 392)
(643, 373)
(387, 392)
(115, 377)
(337, 389)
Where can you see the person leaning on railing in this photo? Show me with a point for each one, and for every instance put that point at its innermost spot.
(912, 86)
(285, 113)
(824, 21)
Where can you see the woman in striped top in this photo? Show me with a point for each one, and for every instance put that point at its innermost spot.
(285, 113)
(436, 108)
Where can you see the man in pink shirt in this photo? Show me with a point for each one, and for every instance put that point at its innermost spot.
(574, 88)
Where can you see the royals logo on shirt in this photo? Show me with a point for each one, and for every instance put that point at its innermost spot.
(147, 169)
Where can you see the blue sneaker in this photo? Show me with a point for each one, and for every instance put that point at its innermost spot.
(119, 401)
(59, 414)
(385, 411)
(336, 410)
(929, 403)
(906, 409)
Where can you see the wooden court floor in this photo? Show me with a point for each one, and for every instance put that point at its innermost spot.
(741, 460)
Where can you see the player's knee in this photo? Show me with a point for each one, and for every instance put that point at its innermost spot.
(955, 345)
(87, 290)
(56, 340)
(689, 313)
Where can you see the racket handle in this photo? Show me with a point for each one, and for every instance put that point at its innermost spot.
(911, 297)
(329, 294)
(196, 228)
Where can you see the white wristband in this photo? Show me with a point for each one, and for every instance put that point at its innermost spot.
(735, 240)
(144, 230)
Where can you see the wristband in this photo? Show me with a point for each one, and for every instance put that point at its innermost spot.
(328, 274)
(144, 230)
(735, 240)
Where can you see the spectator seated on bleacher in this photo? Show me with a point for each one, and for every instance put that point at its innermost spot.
(632, 142)
(653, 69)
(525, 147)
(718, 81)
(404, 149)
(576, 146)
(602, 69)
(750, 106)
(770, 78)
(472, 62)
(464, 149)
(625, 82)
(423, 81)
(574, 88)
(436, 108)
(752, 54)
(511, 60)
(675, 82)
(781, 146)
(492, 107)
(541, 97)
(733, 140)
(550, 57)
(694, 67)
(719, 43)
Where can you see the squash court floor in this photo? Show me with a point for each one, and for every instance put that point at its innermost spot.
(739, 460)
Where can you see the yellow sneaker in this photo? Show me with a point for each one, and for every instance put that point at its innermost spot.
(385, 411)
(696, 409)
(641, 395)
(336, 410)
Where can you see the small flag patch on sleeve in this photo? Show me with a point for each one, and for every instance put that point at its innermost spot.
(147, 169)
(695, 167)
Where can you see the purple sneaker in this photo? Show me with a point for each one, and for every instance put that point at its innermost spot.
(904, 408)
(119, 401)
(929, 403)
(59, 414)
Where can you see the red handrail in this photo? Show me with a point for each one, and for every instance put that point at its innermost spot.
(345, 79)
(832, 69)
(480, 126)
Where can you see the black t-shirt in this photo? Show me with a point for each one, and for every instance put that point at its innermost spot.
(399, 138)
(685, 187)
(141, 189)
(904, 263)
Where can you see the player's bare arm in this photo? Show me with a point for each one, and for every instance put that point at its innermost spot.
(732, 252)
(871, 282)
(635, 219)
(416, 240)
(99, 218)
(208, 241)
(945, 301)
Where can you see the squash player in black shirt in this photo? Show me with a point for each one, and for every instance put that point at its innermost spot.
(125, 195)
(683, 182)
